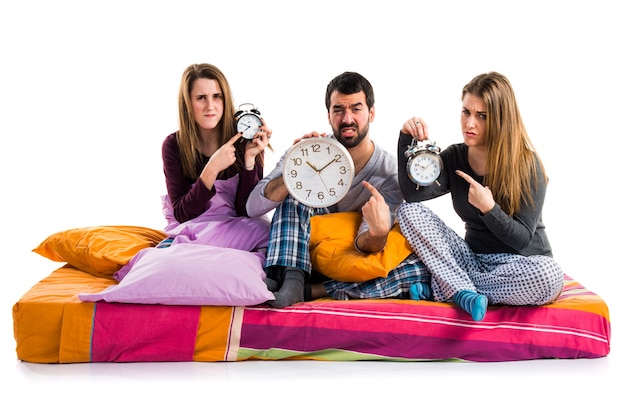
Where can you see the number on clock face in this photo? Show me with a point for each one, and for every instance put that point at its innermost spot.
(318, 171)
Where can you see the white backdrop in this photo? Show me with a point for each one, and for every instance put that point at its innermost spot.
(88, 93)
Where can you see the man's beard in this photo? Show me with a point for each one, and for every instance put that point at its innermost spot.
(353, 141)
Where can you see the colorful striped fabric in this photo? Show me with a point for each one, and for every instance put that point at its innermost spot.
(52, 326)
(576, 326)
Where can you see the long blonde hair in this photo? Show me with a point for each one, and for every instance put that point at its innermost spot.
(512, 161)
(189, 140)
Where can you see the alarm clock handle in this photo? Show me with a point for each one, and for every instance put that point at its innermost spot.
(412, 149)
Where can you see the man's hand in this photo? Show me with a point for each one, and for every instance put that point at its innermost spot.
(376, 213)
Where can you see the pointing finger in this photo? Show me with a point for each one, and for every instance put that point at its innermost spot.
(235, 138)
(371, 189)
(466, 177)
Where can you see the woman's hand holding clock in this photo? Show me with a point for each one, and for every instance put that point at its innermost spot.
(416, 127)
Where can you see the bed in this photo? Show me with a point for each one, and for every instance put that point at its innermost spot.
(55, 322)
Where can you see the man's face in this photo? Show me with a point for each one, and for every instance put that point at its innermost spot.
(349, 117)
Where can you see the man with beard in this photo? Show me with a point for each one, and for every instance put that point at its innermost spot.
(374, 192)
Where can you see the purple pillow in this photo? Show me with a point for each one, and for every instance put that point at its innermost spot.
(189, 274)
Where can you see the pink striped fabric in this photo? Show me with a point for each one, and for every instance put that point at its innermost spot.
(407, 330)
(130, 332)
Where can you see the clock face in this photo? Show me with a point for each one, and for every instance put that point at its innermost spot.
(249, 124)
(424, 168)
(318, 171)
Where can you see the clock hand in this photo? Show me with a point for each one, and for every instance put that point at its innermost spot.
(322, 180)
(313, 167)
(331, 161)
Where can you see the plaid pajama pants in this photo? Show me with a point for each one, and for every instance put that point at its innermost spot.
(289, 247)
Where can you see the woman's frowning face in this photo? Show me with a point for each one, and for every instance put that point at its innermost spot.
(473, 120)
(207, 103)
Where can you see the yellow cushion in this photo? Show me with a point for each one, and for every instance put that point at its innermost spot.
(99, 250)
(333, 253)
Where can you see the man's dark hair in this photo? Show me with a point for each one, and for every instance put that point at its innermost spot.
(350, 83)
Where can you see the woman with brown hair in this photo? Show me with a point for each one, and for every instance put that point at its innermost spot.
(207, 147)
(498, 184)
(210, 170)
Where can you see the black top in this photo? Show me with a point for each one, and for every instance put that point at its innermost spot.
(494, 232)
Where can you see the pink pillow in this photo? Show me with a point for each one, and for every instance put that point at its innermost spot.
(189, 274)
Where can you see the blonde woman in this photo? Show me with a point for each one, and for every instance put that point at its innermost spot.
(498, 184)
(210, 169)
(206, 148)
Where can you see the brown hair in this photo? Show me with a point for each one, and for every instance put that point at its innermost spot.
(188, 137)
(512, 161)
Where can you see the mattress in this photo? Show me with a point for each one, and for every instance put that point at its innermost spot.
(52, 325)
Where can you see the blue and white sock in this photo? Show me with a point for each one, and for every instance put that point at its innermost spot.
(473, 303)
